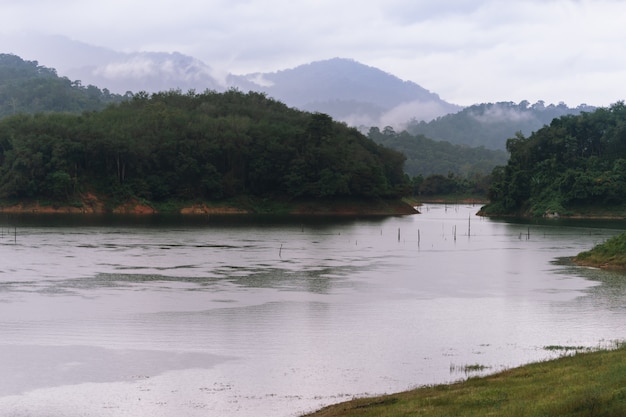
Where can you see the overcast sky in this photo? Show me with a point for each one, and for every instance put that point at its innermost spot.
(467, 51)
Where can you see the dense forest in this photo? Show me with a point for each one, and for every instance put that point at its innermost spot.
(193, 146)
(27, 87)
(441, 168)
(428, 157)
(490, 124)
(575, 163)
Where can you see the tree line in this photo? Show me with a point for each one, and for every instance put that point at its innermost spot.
(439, 167)
(490, 124)
(27, 87)
(576, 161)
(209, 145)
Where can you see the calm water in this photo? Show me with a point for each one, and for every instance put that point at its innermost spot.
(268, 316)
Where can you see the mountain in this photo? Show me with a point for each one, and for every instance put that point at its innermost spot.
(209, 146)
(349, 91)
(119, 72)
(491, 124)
(575, 165)
(429, 157)
(149, 71)
(27, 87)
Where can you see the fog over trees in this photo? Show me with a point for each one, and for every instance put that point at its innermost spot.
(576, 161)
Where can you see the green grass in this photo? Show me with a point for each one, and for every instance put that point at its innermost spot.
(610, 254)
(590, 384)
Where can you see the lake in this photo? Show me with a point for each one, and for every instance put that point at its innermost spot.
(273, 316)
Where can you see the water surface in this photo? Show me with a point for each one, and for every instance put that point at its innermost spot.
(252, 316)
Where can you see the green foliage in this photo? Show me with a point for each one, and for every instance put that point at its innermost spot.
(428, 157)
(174, 146)
(575, 162)
(27, 87)
(440, 168)
(611, 253)
(575, 385)
(489, 124)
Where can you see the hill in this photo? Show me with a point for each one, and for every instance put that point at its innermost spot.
(491, 124)
(349, 91)
(27, 87)
(427, 157)
(192, 147)
(119, 72)
(574, 165)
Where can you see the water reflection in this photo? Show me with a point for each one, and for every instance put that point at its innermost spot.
(275, 316)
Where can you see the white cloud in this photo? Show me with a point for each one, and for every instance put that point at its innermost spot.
(137, 67)
(467, 51)
(400, 115)
(501, 113)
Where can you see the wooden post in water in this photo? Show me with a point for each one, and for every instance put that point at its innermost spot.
(398, 234)
(469, 225)
(418, 238)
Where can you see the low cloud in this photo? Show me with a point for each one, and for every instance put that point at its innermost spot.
(137, 67)
(399, 116)
(499, 112)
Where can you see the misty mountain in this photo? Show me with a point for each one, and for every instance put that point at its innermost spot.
(429, 157)
(119, 72)
(151, 72)
(349, 91)
(345, 89)
(357, 94)
(491, 124)
(27, 87)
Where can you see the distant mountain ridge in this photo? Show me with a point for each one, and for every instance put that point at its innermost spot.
(27, 87)
(343, 88)
(491, 124)
(150, 72)
(348, 91)
(351, 92)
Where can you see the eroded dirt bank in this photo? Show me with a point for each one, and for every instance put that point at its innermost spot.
(92, 204)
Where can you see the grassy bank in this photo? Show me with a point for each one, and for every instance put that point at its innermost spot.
(610, 254)
(585, 384)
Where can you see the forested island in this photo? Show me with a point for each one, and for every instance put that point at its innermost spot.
(170, 149)
(576, 166)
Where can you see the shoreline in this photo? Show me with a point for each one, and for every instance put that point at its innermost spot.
(540, 382)
(93, 205)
